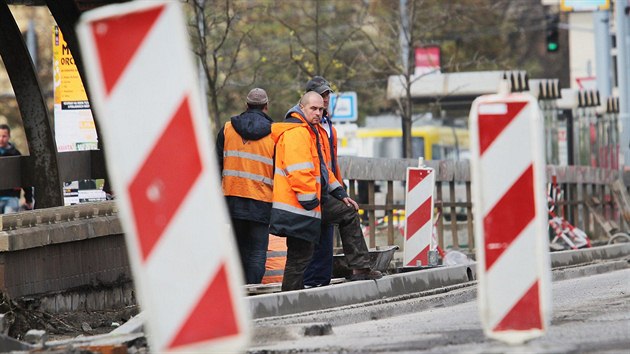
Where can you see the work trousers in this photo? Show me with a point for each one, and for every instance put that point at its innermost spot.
(300, 252)
(252, 238)
(319, 270)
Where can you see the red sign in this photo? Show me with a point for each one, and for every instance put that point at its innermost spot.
(511, 237)
(428, 60)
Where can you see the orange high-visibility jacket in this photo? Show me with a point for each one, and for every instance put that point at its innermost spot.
(247, 166)
(296, 209)
(276, 259)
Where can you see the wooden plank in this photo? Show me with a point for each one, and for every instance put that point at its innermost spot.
(389, 202)
(620, 194)
(609, 227)
(372, 214)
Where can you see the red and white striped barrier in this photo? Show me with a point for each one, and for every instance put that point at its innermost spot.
(508, 179)
(185, 265)
(419, 212)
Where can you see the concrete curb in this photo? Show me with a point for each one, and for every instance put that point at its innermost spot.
(293, 302)
(587, 255)
(315, 299)
(280, 304)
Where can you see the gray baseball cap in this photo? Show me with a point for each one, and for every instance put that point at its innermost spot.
(319, 85)
(257, 96)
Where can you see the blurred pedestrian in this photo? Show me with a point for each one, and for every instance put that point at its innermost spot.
(10, 198)
(245, 154)
(306, 194)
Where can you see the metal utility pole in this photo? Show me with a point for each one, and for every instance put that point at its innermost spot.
(404, 36)
(621, 24)
(601, 25)
(407, 105)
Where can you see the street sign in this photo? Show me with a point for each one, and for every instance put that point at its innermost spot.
(508, 180)
(185, 265)
(343, 107)
(419, 211)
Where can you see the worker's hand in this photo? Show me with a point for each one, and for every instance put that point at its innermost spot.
(351, 203)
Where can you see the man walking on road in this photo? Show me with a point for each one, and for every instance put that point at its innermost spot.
(306, 194)
(245, 154)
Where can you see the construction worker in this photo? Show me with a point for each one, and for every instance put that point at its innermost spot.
(319, 270)
(306, 194)
(245, 154)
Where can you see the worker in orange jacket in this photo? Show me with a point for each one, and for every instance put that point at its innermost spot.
(306, 193)
(319, 270)
(245, 152)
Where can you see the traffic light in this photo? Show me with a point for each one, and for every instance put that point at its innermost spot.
(552, 33)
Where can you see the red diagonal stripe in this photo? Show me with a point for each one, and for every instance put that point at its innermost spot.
(423, 257)
(525, 314)
(512, 213)
(491, 125)
(213, 316)
(118, 38)
(414, 177)
(165, 178)
(418, 218)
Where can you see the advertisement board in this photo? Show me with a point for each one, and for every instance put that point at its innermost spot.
(74, 124)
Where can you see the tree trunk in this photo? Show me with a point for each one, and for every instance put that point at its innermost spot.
(215, 119)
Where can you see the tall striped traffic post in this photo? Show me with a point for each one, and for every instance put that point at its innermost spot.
(419, 215)
(510, 210)
(183, 257)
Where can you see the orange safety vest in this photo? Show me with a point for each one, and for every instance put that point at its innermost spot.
(298, 178)
(334, 156)
(276, 259)
(247, 166)
(329, 156)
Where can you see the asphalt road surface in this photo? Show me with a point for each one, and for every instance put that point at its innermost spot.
(590, 314)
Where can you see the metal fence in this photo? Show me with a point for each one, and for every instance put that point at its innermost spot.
(588, 201)
(378, 185)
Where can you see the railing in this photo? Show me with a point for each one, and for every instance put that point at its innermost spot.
(73, 166)
(587, 192)
(586, 189)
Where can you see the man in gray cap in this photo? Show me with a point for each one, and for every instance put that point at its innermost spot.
(245, 153)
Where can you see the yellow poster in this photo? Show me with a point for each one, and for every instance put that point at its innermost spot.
(74, 124)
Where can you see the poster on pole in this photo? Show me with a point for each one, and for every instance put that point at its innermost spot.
(74, 124)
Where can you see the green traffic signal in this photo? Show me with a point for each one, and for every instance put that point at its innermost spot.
(552, 33)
